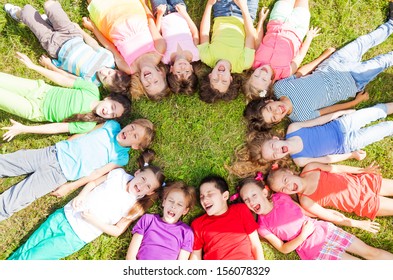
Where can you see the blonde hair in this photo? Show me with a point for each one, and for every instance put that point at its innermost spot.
(149, 132)
(188, 191)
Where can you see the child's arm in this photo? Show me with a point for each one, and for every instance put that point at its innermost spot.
(309, 67)
(159, 42)
(360, 97)
(358, 155)
(297, 60)
(160, 13)
(196, 255)
(135, 244)
(47, 63)
(54, 76)
(256, 247)
(183, 255)
(287, 247)
(181, 9)
(113, 230)
(71, 186)
(337, 217)
(334, 168)
(251, 35)
(119, 60)
(204, 28)
(262, 17)
(18, 128)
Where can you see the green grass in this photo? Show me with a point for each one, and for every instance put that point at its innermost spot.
(193, 139)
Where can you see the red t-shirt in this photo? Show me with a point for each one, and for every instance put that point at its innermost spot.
(225, 237)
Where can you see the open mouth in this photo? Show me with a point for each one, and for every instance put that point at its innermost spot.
(146, 74)
(282, 109)
(171, 214)
(136, 189)
(257, 207)
(207, 207)
(284, 149)
(221, 68)
(295, 187)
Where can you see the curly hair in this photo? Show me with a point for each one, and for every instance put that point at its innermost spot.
(253, 114)
(211, 95)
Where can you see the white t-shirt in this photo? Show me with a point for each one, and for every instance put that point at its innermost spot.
(109, 202)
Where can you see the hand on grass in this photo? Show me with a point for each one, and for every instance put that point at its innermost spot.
(25, 60)
(45, 61)
(313, 32)
(63, 190)
(361, 96)
(14, 130)
(263, 14)
(368, 225)
(372, 168)
(359, 154)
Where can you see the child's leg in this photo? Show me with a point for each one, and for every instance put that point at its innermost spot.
(354, 51)
(386, 187)
(53, 240)
(385, 206)
(360, 248)
(22, 97)
(282, 9)
(300, 18)
(45, 176)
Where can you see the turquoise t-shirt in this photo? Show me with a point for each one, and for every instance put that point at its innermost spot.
(227, 42)
(80, 157)
(61, 103)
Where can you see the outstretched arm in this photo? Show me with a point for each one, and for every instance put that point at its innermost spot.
(337, 217)
(18, 128)
(287, 247)
(360, 97)
(260, 32)
(204, 28)
(135, 244)
(47, 63)
(358, 155)
(256, 247)
(309, 67)
(113, 230)
(251, 35)
(297, 60)
(336, 168)
(54, 76)
(196, 255)
(181, 9)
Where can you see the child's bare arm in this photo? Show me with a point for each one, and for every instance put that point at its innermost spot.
(47, 63)
(159, 42)
(135, 244)
(251, 35)
(204, 28)
(181, 9)
(183, 255)
(260, 32)
(196, 255)
(360, 97)
(311, 34)
(113, 230)
(309, 67)
(358, 155)
(256, 246)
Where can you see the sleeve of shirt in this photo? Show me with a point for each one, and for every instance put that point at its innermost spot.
(198, 241)
(142, 224)
(188, 240)
(249, 55)
(250, 225)
(263, 231)
(86, 86)
(205, 55)
(81, 127)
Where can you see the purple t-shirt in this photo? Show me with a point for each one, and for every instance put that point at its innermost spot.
(285, 221)
(162, 241)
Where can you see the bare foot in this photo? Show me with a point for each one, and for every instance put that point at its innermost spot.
(86, 22)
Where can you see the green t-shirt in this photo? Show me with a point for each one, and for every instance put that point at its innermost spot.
(61, 103)
(227, 42)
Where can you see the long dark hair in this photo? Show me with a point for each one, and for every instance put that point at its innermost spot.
(93, 117)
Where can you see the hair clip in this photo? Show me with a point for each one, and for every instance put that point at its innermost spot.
(262, 93)
(163, 184)
(146, 164)
(275, 166)
(267, 188)
(234, 197)
(259, 177)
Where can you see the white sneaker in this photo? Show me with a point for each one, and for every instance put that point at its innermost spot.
(12, 11)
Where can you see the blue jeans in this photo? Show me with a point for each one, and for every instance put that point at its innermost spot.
(356, 136)
(349, 57)
(170, 5)
(224, 8)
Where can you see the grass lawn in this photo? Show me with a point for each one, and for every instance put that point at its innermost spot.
(193, 139)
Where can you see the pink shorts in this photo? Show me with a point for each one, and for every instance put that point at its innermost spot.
(337, 242)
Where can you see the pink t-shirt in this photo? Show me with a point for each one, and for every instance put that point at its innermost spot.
(175, 31)
(285, 221)
(278, 48)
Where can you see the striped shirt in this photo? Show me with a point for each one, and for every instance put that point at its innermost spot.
(80, 59)
(323, 88)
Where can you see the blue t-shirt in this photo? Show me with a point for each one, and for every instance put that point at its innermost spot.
(80, 157)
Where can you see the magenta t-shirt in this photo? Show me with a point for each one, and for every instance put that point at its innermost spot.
(162, 241)
(285, 221)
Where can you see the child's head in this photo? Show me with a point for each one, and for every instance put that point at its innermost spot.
(114, 80)
(263, 113)
(255, 195)
(147, 180)
(214, 193)
(115, 106)
(219, 84)
(263, 147)
(150, 81)
(177, 200)
(138, 135)
(182, 78)
(285, 181)
(260, 83)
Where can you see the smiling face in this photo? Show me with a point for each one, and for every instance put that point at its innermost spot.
(262, 78)
(153, 79)
(181, 68)
(285, 181)
(108, 76)
(212, 200)
(109, 109)
(220, 77)
(274, 111)
(131, 136)
(175, 205)
(255, 198)
(143, 183)
(274, 149)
